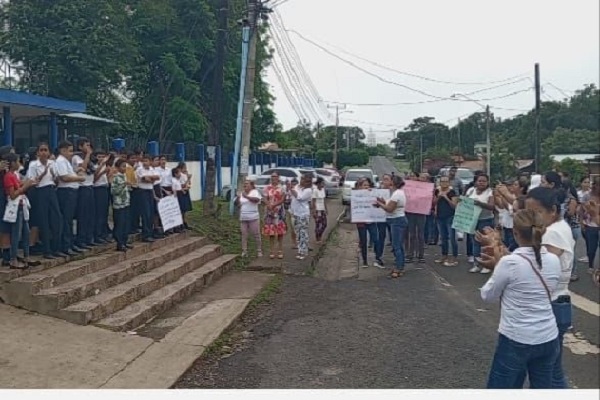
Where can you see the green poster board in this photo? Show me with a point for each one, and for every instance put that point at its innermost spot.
(466, 216)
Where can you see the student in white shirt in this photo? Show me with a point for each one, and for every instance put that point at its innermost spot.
(86, 205)
(300, 207)
(47, 210)
(523, 282)
(396, 219)
(102, 175)
(319, 209)
(146, 177)
(68, 184)
(248, 201)
(166, 180)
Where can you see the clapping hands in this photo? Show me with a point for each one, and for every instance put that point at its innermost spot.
(492, 248)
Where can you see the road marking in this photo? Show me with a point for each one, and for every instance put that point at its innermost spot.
(579, 345)
(589, 306)
(437, 276)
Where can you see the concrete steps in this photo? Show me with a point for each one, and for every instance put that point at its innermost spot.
(121, 291)
(138, 313)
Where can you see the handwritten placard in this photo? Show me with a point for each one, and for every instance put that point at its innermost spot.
(466, 216)
(169, 212)
(419, 197)
(361, 206)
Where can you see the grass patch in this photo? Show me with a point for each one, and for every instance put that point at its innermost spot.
(222, 229)
(402, 165)
(268, 291)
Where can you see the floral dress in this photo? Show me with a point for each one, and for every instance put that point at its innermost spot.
(274, 219)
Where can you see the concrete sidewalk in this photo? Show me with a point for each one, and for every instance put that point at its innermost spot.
(39, 352)
(290, 265)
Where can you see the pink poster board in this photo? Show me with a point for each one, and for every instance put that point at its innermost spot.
(419, 197)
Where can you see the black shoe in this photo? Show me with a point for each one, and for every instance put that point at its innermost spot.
(159, 236)
(129, 246)
(422, 261)
(122, 248)
(49, 257)
(70, 253)
(77, 249)
(100, 241)
(149, 240)
(409, 260)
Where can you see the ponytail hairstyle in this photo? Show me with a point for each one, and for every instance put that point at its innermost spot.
(555, 180)
(530, 228)
(398, 182)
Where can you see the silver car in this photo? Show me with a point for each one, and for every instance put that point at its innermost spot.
(332, 181)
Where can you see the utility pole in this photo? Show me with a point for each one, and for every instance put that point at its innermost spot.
(487, 140)
(537, 117)
(337, 124)
(459, 143)
(217, 107)
(253, 13)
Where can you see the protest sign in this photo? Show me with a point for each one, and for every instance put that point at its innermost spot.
(361, 206)
(169, 212)
(419, 197)
(466, 216)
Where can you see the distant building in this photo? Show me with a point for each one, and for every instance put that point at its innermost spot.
(371, 140)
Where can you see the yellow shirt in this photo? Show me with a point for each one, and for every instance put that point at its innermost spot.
(130, 176)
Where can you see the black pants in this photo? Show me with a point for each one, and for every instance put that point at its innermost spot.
(146, 204)
(86, 210)
(101, 197)
(122, 225)
(416, 235)
(67, 201)
(49, 219)
(592, 242)
(135, 209)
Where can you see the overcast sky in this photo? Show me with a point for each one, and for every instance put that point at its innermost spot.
(455, 41)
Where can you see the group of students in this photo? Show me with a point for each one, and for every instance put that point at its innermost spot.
(286, 205)
(58, 204)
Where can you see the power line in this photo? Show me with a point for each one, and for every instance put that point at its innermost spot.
(558, 89)
(432, 101)
(380, 78)
(416, 75)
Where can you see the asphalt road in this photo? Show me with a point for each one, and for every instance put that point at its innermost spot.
(382, 165)
(355, 328)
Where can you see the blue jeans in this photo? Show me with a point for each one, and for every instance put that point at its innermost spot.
(371, 229)
(382, 229)
(576, 235)
(19, 230)
(481, 224)
(513, 359)
(431, 229)
(398, 229)
(447, 233)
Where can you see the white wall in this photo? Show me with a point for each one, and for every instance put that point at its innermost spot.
(194, 169)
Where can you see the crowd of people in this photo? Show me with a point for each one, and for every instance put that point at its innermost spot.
(58, 204)
(525, 237)
(288, 207)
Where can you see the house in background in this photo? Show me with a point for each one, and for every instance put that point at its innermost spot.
(590, 161)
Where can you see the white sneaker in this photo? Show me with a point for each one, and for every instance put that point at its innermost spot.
(365, 266)
(376, 264)
(471, 259)
(475, 269)
(583, 259)
(485, 271)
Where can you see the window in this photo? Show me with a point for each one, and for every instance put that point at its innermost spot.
(287, 173)
(353, 176)
(324, 172)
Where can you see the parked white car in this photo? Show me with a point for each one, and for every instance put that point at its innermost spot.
(350, 179)
(291, 173)
(332, 180)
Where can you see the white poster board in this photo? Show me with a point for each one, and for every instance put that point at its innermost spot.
(361, 206)
(169, 212)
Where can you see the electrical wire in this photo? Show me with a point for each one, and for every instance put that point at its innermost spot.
(279, 26)
(294, 80)
(563, 92)
(416, 75)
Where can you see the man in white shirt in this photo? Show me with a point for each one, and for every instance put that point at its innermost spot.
(101, 197)
(146, 177)
(68, 184)
(166, 180)
(86, 206)
(47, 210)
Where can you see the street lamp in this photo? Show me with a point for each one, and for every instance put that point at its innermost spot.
(487, 129)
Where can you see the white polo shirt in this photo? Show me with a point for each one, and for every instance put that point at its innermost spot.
(103, 180)
(89, 179)
(526, 312)
(141, 172)
(65, 168)
(167, 178)
(36, 169)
